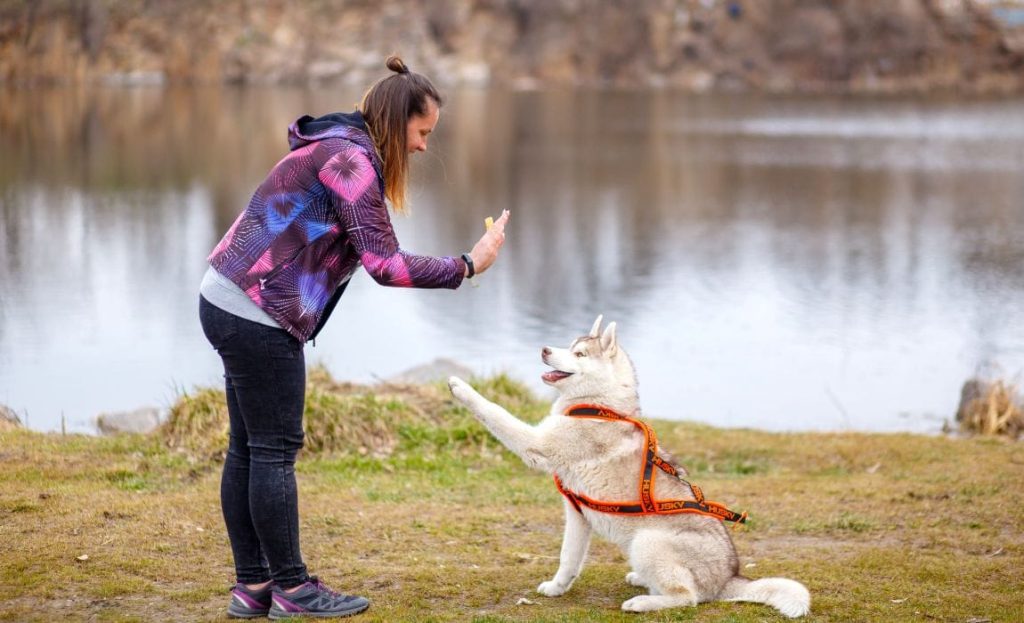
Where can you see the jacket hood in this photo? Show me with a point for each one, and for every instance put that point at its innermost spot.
(307, 129)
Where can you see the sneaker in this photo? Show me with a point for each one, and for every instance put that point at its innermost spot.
(313, 599)
(247, 603)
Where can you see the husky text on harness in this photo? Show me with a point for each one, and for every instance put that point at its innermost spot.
(647, 505)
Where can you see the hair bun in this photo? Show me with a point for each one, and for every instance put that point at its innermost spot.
(395, 64)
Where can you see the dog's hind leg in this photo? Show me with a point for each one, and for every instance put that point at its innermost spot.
(575, 542)
(633, 579)
(657, 565)
(518, 436)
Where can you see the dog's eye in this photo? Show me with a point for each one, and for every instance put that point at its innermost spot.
(580, 354)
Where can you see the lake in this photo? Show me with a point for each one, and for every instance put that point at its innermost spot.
(782, 263)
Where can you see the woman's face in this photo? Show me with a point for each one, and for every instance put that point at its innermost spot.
(420, 126)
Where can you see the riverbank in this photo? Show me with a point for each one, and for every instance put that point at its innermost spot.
(916, 46)
(406, 500)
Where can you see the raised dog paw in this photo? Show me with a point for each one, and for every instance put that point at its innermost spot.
(462, 391)
(633, 578)
(551, 588)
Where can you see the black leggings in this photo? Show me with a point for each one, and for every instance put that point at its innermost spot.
(265, 383)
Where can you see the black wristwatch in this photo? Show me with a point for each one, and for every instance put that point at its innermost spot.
(469, 264)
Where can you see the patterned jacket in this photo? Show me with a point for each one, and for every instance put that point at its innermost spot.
(319, 214)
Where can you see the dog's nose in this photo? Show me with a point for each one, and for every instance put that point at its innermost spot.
(545, 351)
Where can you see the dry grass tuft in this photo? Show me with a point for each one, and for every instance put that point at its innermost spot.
(349, 418)
(361, 421)
(198, 424)
(991, 409)
(9, 420)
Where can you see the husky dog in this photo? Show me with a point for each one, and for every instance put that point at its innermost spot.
(682, 559)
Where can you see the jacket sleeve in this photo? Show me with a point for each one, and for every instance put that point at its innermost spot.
(350, 176)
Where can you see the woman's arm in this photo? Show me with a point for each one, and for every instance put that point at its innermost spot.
(361, 209)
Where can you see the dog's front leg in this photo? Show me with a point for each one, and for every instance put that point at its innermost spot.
(518, 436)
(574, 551)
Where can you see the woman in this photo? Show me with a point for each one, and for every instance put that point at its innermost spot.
(274, 279)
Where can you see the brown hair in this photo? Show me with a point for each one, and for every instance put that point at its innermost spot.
(387, 107)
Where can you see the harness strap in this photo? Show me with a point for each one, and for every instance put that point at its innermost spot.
(647, 505)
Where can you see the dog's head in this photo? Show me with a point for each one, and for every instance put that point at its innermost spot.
(593, 365)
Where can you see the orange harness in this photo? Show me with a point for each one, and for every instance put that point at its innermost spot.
(647, 505)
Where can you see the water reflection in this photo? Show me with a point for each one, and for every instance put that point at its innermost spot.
(779, 263)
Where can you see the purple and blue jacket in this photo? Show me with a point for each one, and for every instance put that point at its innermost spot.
(318, 215)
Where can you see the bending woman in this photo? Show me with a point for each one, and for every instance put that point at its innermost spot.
(273, 281)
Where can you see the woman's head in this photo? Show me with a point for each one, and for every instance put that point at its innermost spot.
(400, 111)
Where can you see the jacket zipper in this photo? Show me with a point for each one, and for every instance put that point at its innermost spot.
(280, 267)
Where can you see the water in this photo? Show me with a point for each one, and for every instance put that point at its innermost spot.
(780, 263)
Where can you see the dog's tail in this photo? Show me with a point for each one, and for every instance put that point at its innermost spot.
(787, 596)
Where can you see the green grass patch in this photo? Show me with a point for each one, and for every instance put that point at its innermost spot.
(405, 498)
(127, 480)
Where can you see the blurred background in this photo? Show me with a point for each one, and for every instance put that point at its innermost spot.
(802, 215)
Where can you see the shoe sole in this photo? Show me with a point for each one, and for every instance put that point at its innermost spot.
(237, 613)
(275, 616)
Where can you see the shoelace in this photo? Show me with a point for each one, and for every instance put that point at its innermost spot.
(320, 586)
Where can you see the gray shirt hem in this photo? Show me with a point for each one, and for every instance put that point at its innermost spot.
(223, 293)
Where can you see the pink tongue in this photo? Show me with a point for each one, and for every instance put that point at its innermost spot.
(554, 375)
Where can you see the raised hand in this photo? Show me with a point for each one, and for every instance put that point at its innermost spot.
(485, 251)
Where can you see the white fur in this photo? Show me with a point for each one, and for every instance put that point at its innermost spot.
(789, 597)
(681, 559)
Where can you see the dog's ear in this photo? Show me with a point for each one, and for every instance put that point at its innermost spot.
(608, 344)
(596, 329)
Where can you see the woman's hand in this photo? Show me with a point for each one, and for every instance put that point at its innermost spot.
(485, 251)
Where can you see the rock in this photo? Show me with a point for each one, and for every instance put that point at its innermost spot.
(475, 74)
(134, 79)
(8, 418)
(326, 70)
(437, 370)
(142, 420)
(972, 390)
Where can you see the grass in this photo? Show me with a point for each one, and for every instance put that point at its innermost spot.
(992, 408)
(405, 499)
